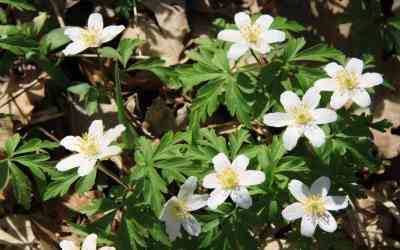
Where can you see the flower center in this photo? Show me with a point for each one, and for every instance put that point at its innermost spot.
(89, 145)
(228, 178)
(302, 115)
(90, 37)
(179, 209)
(251, 33)
(315, 206)
(347, 80)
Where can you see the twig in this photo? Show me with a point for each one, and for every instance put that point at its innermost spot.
(112, 176)
(58, 14)
(48, 134)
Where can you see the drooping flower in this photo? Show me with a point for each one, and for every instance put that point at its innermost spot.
(91, 147)
(88, 244)
(313, 206)
(302, 117)
(256, 36)
(348, 83)
(231, 179)
(176, 211)
(94, 35)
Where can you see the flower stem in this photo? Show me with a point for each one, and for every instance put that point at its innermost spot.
(112, 176)
(255, 56)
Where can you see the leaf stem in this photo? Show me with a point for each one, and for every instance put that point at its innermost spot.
(255, 56)
(112, 176)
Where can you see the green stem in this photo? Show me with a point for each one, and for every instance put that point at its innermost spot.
(255, 56)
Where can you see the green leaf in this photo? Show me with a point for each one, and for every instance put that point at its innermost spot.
(3, 175)
(129, 237)
(22, 186)
(282, 23)
(19, 45)
(109, 52)
(11, 144)
(206, 101)
(19, 4)
(99, 206)
(395, 22)
(85, 183)
(293, 46)
(319, 53)
(34, 163)
(81, 89)
(126, 48)
(35, 145)
(59, 187)
(53, 40)
(235, 101)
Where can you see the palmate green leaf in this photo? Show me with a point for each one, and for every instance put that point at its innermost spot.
(131, 235)
(60, 186)
(20, 4)
(282, 23)
(293, 46)
(206, 101)
(34, 162)
(319, 53)
(86, 183)
(101, 205)
(236, 102)
(237, 139)
(109, 52)
(11, 144)
(53, 40)
(22, 186)
(19, 45)
(35, 145)
(126, 48)
(3, 174)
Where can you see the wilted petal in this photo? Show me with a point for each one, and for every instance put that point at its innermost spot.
(299, 190)
(339, 99)
(217, 197)
(327, 223)
(90, 242)
(173, 228)
(191, 226)
(273, 36)
(211, 181)
(187, 188)
(321, 186)
(362, 98)
(323, 115)
(315, 135)
(289, 100)
(277, 119)
(264, 21)
(74, 48)
(96, 129)
(311, 98)
(369, 80)
(70, 162)
(251, 177)
(293, 211)
(240, 163)
(233, 36)
(237, 50)
(332, 69)
(308, 226)
(74, 33)
(86, 166)
(112, 134)
(95, 22)
(336, 202)
(290, 137)
(67, 245)
(326, 84)
(71, 143)
(196, 201)
(242, 20)
(110, 32)
(241, 197)
(355, 65)
(220, 162)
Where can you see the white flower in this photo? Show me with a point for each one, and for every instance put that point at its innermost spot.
(92, 36)
(88, 244)
(302, 117)
(348, 83)
(231, 180)
(256, 36)
(313, 206)
(90, 148)
(176, 211)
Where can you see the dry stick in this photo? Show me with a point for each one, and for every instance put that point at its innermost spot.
(58, 14)
(112, 176)
(48, 134)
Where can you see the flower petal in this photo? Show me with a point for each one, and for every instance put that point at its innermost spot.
(71, 143)
(311, 98)
(74, 33)
(74, 48)
(110, 32)
(90, 242)
(308, 226)
(332, 69)
(290, 137)
(355, 66)
(96, 129)
(220, 162)
(237, 50)
(112, 134)
(315, 135)
(273, 36)
(327, 223)
(242, 20)
(233, 36)
(299, 190)
(107, 248)
(217, 197)
(211, 181)
(95, 22)
(240, 163)
(362, 98)
(86, 166)
(277, 119)
(326, 84)
(324, 115)
(321, 186)
(67, 245)
(109, 151)
(196, 201)
(241, 197)
(173, 228)
(70, 162)
(335, 203)
(369, 80)
(339, 99)
(165, 214)
(293, 211)
(191, 226)
(264, 21)
(261, 47)
(289, 100)
(251, 177)
(187, 189)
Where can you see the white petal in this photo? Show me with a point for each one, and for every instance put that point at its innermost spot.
(278, 119)
(95, 21)
(327, 223)
(74, 48)
(369, 80)
(110, 32)
(233, 36)
(315, 135)
(96, 129)
(191, 226)
(112, 134)
(323, 115)
(311, 98)
(220, 162)
(290, 137)
(241, 197)
(71, 143)
(299, 190)
(326, 84)
(242, 20)
(173, 228)
(187, 189)
(74, 33)
(67, 245)
(86, 166)
(237, 50)
(289, 100)
(90, 242)
(264, 21)
(196, 201)
(240, 163)
(321, 186)
(336, 202)
(109, 151)
(217, 197)
(165, 214)
(339, 99)
(107, 248)
(261, 47)
(251, 177)
(211, 181)
(362, 98)
(70, 162)
(308, 226)
(293, 211)
(273, 36)
(332, 69)
(355, 65)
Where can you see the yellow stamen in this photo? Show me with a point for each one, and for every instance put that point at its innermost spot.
(302, 115)
(315, 206)
(89, 145)
(251, 33)
(347, 80)
(90, 37)
(228, 178)
(179, 209)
